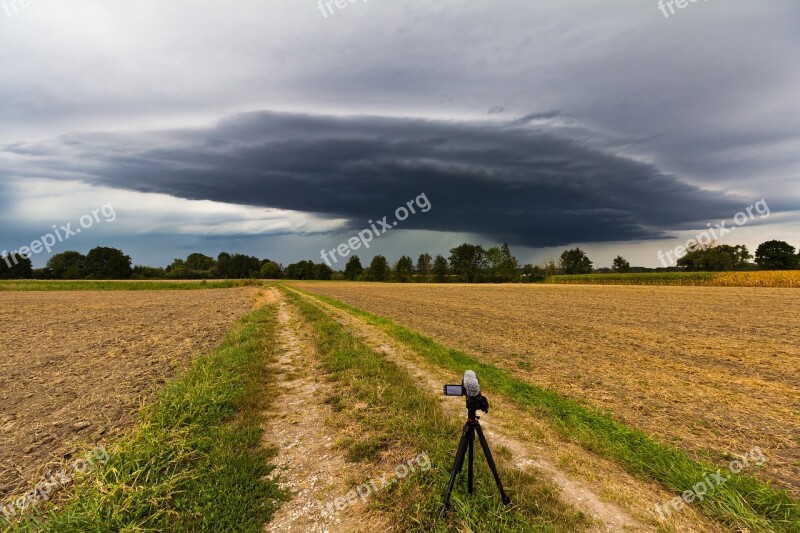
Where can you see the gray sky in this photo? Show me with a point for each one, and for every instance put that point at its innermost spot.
(267, 128)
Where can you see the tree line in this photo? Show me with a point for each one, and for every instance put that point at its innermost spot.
(468, 263)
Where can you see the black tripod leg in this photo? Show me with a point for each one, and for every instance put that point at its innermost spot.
(470, 468)
(489, 459)
(457, 466)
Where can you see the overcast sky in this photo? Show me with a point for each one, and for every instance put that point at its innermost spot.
(278, 128)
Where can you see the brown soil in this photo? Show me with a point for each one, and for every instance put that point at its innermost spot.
(703, 368)
(75, 367)
(615, 500)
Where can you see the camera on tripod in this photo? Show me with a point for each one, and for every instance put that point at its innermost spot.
(470, 388)
(476, 401)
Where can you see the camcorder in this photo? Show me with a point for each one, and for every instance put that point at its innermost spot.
(470, 388)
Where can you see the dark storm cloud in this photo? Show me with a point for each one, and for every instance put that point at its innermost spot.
(506, 181)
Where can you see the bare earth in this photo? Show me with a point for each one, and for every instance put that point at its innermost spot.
(76, 366)
(712, 370)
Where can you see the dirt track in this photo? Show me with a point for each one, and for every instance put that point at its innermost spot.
(75, 366)
(704, 368)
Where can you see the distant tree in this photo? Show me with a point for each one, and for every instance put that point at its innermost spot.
(199, 262)
(440, 269)
(179, 271)
(776, 255)
(146, 272)
(621, 265)
(575, 262)
(270, 270)
(16, 266)
(550, 268)
(468, 261)
(424, 267)
(244, 266)
(715, 258)
(302, 270)
(533, 274)
(404, 269)
(176, 264)
(67, 265)
(494, 261)
(322, 272)
(224, 265)
(378, 269)
(108, 263)
(509, 265)
(353, 269)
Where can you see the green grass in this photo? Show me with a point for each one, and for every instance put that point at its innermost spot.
(46, 285)
(643, 278)
(407, 421)
(742, 501)
(193, 462)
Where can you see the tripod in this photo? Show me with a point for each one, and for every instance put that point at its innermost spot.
(467, 444)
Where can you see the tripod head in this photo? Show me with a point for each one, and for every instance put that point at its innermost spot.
(475, 404)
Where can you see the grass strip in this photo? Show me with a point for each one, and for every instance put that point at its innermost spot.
(757, 278)
(194, 461)
(47, 285)
(394, 416)
(742, 501)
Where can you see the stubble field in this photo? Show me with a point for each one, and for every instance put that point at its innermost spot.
(75, 367)
(713, 371)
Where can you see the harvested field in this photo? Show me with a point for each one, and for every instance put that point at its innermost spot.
(757, 278)
(76, 366)
(715, 371)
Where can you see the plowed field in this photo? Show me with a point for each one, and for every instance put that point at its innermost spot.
(75, 366)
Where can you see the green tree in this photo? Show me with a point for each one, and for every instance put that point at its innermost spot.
(508, 264)
(468, 261)
(353, 269)
(776, 255)
(533, 274)
(715, 258)
(67, 265)
(244, 266)
(404, 269)
(378, 269)
(575, 262)
(494, 263)
(322, 272)
(199, 262)
(224, 265)
(146, 272)
(424, 267)
(108, 263)
(620, 265)
(440, 269)
(270, 270)
(301, 270)
(16, 266)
